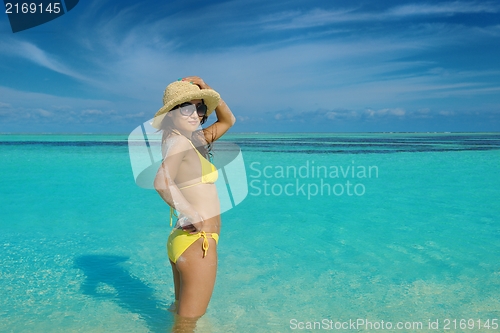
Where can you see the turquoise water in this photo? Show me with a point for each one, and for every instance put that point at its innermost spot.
(417, 239)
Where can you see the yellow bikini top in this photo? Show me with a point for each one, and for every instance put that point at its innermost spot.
(209, 174)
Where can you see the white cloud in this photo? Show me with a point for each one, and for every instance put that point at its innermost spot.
(446, 113)
(134, 115)
(339, 114)
(27, 99)
(242, 119)
(36, 55)
(138, 57)
(313, 18)
(398, 112)
(43, 113)
(91, 112)
(135, 58)
(446, 8)
(350, 73)
(37, 107)
(320, 17)
(331, 115)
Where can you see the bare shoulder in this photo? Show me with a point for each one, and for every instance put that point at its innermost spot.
(176, 144)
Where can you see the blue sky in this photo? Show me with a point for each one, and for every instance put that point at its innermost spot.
(282, 66)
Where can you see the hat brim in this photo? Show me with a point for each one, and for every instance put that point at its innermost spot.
(209, 96)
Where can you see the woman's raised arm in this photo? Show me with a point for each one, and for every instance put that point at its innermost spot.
(225, 118)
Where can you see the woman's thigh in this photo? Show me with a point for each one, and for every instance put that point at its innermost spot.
(197, 278)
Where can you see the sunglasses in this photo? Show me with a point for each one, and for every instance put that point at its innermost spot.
(187, 109)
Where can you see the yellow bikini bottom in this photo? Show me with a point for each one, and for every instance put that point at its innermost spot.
(179, 240)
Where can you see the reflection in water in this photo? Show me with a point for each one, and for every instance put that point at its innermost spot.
(106, 279)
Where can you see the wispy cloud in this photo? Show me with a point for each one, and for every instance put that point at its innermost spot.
(399, 112)
(446, 113)
(313, 18)
(91, 112)
(267, 62)
(33, 109)
(320, 17)
(127, 63)
(36, 55)
(447, 8)
(43, 113)
(347, 73)
(23, 104)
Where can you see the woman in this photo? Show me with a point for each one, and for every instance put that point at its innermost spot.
(185, 181)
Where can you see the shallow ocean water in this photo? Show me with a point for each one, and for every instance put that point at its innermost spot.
(417, 240)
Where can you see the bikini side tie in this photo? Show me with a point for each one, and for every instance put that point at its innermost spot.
(205, 244)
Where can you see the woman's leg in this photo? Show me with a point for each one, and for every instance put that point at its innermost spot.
(177, 285)
(197, 278)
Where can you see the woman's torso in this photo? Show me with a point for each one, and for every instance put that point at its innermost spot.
(201, 196)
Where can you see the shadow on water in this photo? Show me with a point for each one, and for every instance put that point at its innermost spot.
(107, 279)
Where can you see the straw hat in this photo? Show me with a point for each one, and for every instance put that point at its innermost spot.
(179, 92)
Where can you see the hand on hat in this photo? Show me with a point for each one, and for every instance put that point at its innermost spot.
(198, 81)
